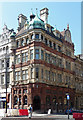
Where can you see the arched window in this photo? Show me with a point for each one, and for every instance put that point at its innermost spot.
(15, 100)
(60, 100)
(54, 100)
(25, 100)
(20, 100)
(48, 100)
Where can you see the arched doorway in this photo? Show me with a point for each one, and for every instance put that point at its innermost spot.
(36, 103)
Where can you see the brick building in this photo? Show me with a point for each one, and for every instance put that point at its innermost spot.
(43, 68)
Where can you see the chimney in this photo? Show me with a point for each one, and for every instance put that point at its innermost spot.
(21, 21)
(44, 15)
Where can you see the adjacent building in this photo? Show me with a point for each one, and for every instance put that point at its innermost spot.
(5, 66)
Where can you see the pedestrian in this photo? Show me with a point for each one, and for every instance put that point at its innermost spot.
(30, 111)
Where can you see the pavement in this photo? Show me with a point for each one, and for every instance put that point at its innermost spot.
(41, 117)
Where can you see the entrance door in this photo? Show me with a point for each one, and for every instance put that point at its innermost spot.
(36, 103)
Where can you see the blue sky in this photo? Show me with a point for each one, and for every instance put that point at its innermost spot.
(60, 14)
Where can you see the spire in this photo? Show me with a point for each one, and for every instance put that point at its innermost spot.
(68, 26)
(36, 11)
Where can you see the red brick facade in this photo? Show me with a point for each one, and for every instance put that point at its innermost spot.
(42, 97)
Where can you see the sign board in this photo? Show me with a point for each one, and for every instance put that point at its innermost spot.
(68, 97)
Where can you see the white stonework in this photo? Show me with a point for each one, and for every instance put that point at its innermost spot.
(5, 53)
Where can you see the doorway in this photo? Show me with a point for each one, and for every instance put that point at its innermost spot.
(36, 103)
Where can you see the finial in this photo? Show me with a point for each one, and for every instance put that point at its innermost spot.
(55, 27)
(68, 26)
(31, 11)
(36, 11)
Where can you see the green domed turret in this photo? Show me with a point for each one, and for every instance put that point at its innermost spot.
(36, 23)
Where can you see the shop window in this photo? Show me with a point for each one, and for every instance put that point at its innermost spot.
(15, 100)
(54, 100)
(25, 100)
(48, 100)
(20, 100)
(60, 100)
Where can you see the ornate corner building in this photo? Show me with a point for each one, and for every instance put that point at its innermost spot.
(44, 67)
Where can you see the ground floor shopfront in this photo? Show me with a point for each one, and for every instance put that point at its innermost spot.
(42, 97)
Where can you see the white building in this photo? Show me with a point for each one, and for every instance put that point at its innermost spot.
(5, 53)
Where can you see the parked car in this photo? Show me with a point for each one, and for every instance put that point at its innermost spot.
(70, 111)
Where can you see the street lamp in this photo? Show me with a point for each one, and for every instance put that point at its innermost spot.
(68, 97)
(6, 83)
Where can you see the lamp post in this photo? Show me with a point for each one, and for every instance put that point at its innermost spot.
(68, 104)
(6, 83)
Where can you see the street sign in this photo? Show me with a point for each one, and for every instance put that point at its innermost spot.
(68, 97)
